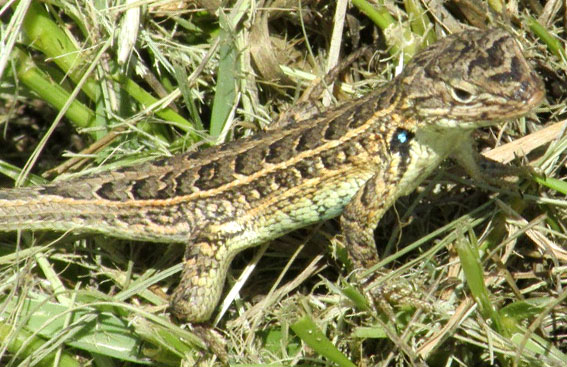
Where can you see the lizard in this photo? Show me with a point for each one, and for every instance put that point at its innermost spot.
(353, 161)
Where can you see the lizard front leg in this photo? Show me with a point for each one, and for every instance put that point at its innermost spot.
(358, 221)
(364, 211)
(488, 171)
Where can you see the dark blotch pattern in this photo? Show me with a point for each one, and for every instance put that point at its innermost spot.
(311, 139)
(145, 189)
(108, 191)
(331, 159)
(369, 193)
(282, 150)
(162, 162)
(215, 174)
(336, 129)
(184, 182)
(307, 169)
(510, 75)
(207, 171)
(169, 182)
(251, 161)
(493, 57)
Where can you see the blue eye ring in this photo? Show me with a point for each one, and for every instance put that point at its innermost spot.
(400, 140)
(402, 136)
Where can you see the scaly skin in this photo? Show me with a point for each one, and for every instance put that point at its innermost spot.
(354, 160)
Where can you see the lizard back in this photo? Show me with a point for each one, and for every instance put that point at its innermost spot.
(167, 199)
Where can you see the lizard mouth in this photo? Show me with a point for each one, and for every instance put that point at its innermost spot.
(532, 91)
(538, 92)
(529, 98)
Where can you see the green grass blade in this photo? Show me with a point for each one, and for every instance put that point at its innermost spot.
(49, 38)
(225, 94)
(106, 334)
(23, 344)
(550, 41)
(552, 183)
(474, 274)
(310, 333)
(54, 94)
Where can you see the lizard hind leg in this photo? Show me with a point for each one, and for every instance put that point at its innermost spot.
(206, 262)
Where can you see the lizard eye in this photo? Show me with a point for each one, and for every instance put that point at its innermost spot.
(461, 95)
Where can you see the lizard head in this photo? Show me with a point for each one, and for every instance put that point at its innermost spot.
(470, 79)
